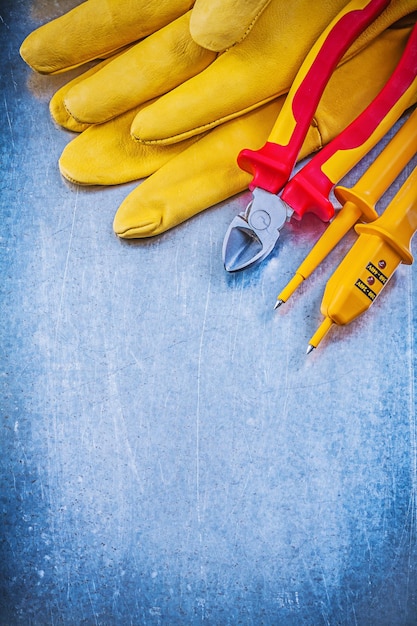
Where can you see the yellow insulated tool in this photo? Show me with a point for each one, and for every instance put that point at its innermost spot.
(382, 245)
(358, 203)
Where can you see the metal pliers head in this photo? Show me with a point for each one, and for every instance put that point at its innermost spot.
(253, 234)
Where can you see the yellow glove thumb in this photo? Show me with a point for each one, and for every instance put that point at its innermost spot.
(219, 24)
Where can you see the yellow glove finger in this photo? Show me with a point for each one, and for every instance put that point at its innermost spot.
(95, 29)
(259, 69)
(219, 24)
(106, 154)
(206, 173)
(57, 108)
(159, 63)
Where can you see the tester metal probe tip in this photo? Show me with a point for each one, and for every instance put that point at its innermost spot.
(278, 304)
(322, 330)
(289, 289)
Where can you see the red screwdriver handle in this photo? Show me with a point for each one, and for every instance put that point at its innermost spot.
(272, 165)
(309, 189)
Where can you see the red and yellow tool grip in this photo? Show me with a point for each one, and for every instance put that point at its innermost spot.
(309, 189)
(272, 165)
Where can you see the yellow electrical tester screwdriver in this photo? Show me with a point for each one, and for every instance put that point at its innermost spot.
(382, 245)
(358, 202)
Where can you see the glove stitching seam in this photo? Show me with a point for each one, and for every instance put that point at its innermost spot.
(209, 125)
(249, 28)
(315, 124)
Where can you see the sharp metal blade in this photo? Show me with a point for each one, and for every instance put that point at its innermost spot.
(252, 235)
(241, 246)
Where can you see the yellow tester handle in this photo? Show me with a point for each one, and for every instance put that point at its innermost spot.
(383, 171)
(382, 245)
(358, 202)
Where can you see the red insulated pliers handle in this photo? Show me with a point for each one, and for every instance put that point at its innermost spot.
(272, 165)
(309, 189)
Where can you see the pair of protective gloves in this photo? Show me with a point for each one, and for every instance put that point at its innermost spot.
(181, 87)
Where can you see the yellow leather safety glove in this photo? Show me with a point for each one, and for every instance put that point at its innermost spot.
(259, 68)
(198, 89)
(199, 172)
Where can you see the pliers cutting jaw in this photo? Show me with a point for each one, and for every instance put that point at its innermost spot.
(253, 234)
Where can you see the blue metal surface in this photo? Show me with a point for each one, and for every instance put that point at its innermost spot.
(169, 453)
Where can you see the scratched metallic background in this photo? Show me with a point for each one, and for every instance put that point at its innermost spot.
(169, 453)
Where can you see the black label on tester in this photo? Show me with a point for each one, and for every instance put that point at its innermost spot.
(365, 289)
(372, 269)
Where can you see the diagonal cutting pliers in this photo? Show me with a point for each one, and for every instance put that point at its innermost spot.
(253, 234)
